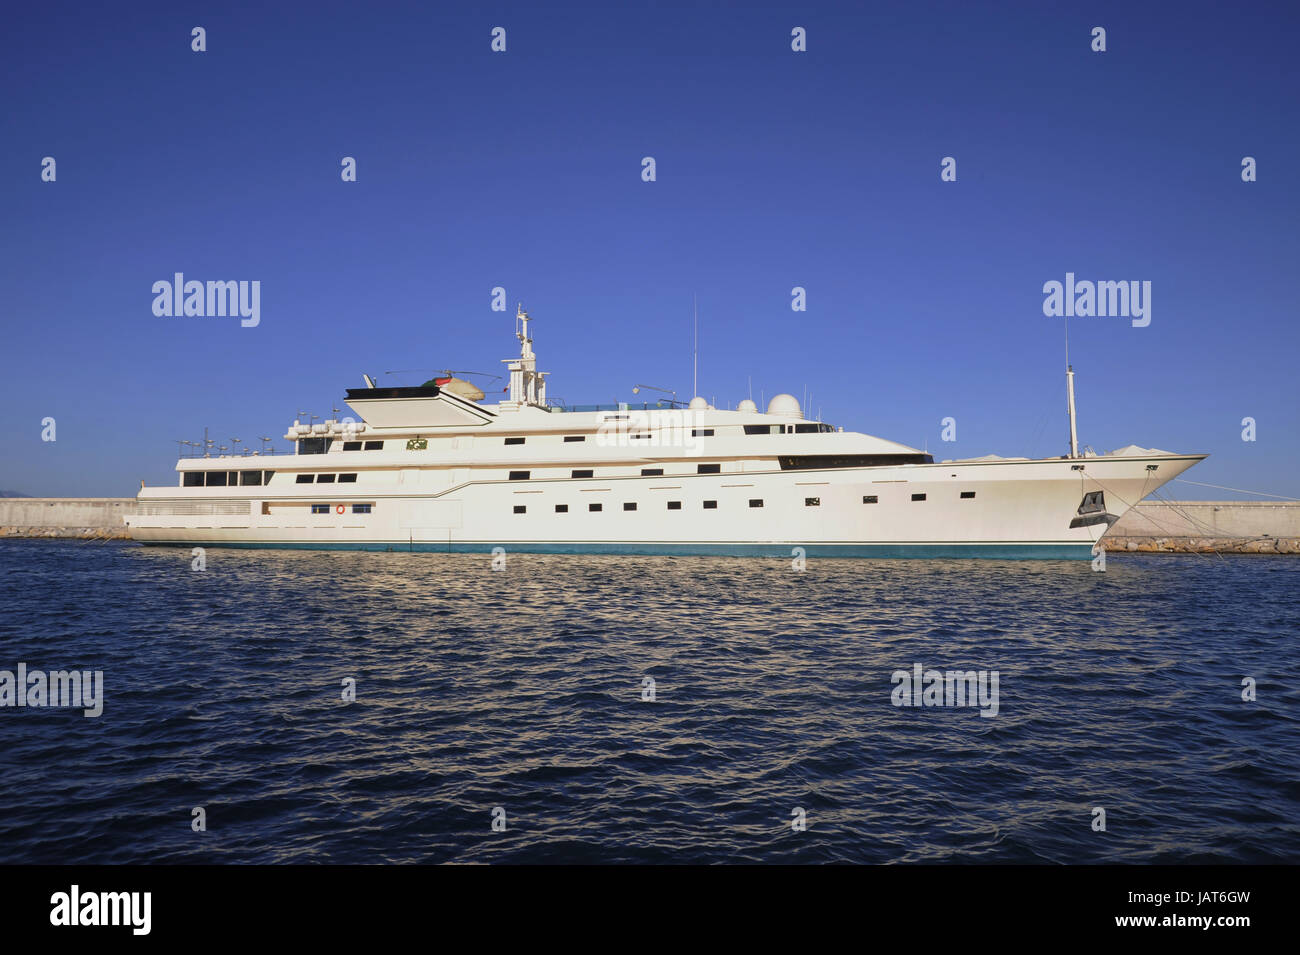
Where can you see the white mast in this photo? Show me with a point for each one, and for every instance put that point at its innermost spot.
(1074, 434)
(1069, 391)
(527, 384)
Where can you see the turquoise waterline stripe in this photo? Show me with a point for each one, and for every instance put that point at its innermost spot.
(917, 551)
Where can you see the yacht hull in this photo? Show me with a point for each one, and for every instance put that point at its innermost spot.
(1007, 509)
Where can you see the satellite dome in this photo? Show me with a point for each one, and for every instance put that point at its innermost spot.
(698, 404)
(747, 405)
(787, 406)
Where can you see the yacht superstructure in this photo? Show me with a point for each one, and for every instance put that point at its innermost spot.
(435, 468)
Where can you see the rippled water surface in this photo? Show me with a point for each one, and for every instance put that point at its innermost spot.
(522, 689)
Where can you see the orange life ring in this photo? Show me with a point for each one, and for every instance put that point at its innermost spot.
(338, 508)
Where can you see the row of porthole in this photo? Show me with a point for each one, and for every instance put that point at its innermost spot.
(712, 505)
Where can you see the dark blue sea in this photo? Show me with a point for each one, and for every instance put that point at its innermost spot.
(517, 695)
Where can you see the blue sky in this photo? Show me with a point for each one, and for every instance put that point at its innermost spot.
(775, 169)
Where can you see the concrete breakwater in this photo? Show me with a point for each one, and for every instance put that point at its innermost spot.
(1180, 527)
(1225, 527)
(79, 517)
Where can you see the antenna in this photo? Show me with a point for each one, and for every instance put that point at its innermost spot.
(695, 383)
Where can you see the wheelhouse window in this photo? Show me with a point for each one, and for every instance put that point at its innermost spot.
(192, 479)
(217, 478)
(520, 475)
(250, 478)
(708, 469)
(313, 445)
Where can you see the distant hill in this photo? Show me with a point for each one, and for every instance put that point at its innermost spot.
(13, 494)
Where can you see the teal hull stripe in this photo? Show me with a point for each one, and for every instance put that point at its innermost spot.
(931, 551)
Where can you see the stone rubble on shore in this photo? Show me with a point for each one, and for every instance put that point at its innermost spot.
(1201, 545)
(76, 533)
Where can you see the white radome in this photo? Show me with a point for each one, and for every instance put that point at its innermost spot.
(787, 406)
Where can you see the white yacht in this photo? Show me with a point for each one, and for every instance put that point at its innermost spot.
(436, 468)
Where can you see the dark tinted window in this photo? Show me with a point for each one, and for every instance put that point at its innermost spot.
(593, 507)
(652, 472)
(324, 479)
(521, 509)
(313, 445)
(967, 495)
(266, 477)
(347, 479)
(701, 432)
(918, 497)
(360, 508)
(674, 505)
(320, 508)
(762, 429)
(755, 502)
(192, 479)
(514, 440)
(351, 445)
(812, 502)
(804, 462)
(629, 505)
(575, 437)
(374, 445)
(708, 469)
(305, 478)
(519, 475)
(216, 479)
(710, 505)
(581, 474)
(561, 508)
(869, 499)
(250, 478)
